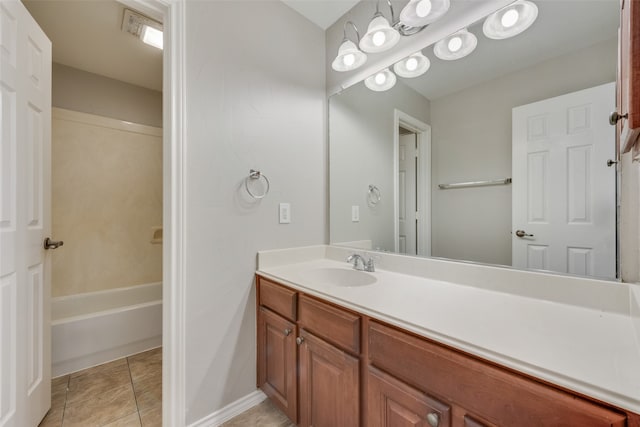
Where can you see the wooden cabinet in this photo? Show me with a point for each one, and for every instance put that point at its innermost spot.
(329, 384)
(306, 367)
(349, 370)
(478, 387)
(628, 81)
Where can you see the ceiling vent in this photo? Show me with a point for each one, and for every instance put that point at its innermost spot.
(143, 27)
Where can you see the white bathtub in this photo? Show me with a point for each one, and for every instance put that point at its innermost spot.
(97, 327)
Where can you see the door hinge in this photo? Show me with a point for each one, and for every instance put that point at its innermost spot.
(417, 215)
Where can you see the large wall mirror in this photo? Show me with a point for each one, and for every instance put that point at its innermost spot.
(502, 157)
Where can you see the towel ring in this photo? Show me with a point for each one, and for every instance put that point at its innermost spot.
(374, 195)
(256, 175)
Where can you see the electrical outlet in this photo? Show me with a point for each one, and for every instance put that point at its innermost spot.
(285, 213)
(355, 213)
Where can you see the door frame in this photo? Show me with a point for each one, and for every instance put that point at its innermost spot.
(172, 14)
(423, 181)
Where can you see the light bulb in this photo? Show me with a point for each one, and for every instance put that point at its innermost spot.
(455, 43)
(411, 64)
(380, 79)
(423, 8)
(349, 59)
(509, 18)
(379, 38)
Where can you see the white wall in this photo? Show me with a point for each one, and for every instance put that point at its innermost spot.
(255, 99)
(361, 154)
(477, 146)
(91, 93)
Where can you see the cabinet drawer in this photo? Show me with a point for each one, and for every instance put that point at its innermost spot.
(500, 396)
(330, 323)
(278, 298)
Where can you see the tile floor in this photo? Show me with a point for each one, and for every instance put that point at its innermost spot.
(124, 393)
(262, 415)
(128, 393)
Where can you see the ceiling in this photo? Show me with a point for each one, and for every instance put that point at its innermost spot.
(87, 35)
(323, 13)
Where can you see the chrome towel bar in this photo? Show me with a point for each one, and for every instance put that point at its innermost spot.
(474, 184)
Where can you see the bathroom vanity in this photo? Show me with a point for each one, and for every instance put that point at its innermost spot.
(339, 347)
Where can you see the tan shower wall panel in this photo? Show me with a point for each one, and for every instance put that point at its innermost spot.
(107, 198)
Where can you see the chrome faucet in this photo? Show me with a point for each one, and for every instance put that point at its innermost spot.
(360, 264)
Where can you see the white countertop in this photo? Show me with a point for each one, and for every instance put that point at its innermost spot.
(591, 347)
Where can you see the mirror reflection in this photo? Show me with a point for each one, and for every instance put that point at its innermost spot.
(499, 157)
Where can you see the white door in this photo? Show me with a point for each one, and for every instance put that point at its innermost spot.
(25, 212)
(563, 190)
(407, 233)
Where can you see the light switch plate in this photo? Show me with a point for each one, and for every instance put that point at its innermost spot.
(355, 213)
(285, 213)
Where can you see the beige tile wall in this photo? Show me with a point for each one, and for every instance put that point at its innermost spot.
(106, 200)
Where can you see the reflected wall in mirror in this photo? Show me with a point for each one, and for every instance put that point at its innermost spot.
(532, 108)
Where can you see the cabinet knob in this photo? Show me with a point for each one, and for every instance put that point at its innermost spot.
(433, 419)
(287, 332)
(299, 340)
(615, 117)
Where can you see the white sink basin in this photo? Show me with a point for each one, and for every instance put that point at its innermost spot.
(343, 277)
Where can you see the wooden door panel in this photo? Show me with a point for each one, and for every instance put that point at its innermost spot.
(391, 403)
(277, 361)
(329, 385)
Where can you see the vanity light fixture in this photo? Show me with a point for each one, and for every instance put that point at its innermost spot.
(456, 46)
(380, 35)
(511, 20)
(349, 56)
(412, 66)
(418, 13)
(381, 81)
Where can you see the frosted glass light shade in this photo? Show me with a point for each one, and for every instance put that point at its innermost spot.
(412, 66)
(418, 13)
(511, 20)
(456, 46)
(349, 57)
(381, 81)
(380, 36)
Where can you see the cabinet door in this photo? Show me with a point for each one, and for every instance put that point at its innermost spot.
(391, 403)
(277, 361)
(329, 384)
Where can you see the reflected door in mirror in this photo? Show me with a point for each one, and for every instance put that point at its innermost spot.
(563, 189)
(407, 197)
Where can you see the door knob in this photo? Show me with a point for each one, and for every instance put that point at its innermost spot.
(522, 233)
(299, 340)
(615, 118)
(52, 244)
(287, 332)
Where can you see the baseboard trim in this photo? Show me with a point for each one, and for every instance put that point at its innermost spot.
(231, 410)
